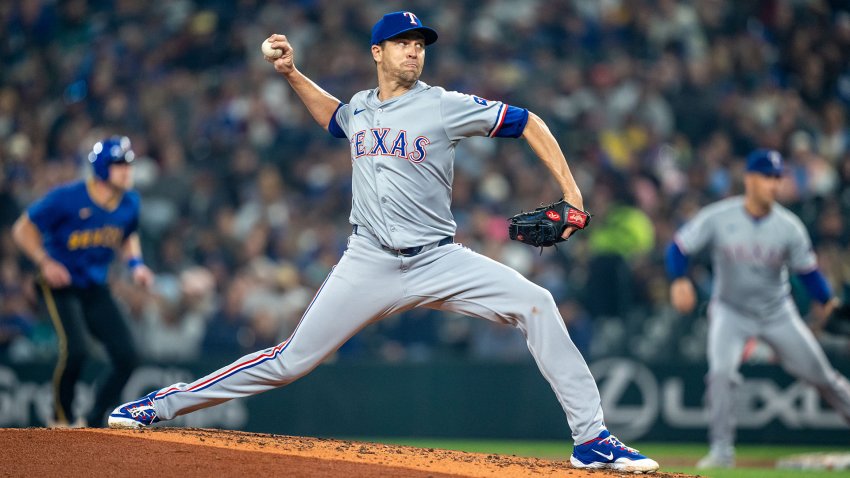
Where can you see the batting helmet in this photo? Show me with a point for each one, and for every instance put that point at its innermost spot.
(110, 151)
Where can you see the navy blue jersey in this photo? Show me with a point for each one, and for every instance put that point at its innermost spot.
(82, 235)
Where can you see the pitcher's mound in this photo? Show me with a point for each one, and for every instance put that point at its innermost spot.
(199, 453)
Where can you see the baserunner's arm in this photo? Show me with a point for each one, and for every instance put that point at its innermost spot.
(28, 238)
(132, 253)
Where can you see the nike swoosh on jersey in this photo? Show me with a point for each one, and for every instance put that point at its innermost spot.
(357, 112)
(609, 456)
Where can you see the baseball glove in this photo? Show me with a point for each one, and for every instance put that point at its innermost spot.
(543, 226)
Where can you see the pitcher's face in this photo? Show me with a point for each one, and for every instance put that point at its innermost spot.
(401, 58)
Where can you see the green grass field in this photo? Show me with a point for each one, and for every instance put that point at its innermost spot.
(755, 461)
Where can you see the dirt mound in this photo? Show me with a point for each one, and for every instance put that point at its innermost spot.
(204, 452)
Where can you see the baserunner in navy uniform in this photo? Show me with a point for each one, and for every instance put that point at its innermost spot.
(72, 235)
(755, 244)
(402, 254)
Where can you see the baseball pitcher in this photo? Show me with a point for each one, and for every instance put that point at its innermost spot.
(401, 253)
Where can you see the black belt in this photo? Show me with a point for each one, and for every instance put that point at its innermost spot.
(412, 251)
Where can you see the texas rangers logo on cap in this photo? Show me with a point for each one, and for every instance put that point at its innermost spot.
(775, 159)
(396, 23)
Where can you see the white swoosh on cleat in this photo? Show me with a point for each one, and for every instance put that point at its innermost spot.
(609, 456)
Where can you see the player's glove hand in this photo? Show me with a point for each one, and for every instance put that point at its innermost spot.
(544, 226)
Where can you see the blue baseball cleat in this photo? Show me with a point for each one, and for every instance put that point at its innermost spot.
(136, 414)
(606, 451)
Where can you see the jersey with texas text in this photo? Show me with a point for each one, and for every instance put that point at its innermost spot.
(751, 257)
(402, 175)
(82, 235)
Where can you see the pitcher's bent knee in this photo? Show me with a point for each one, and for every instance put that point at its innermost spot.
(533, 301)
(538, 296)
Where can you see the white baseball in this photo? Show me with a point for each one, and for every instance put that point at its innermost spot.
(270, 51)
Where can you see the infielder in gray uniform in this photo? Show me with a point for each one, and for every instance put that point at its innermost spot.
(754, 244)
(401, 254)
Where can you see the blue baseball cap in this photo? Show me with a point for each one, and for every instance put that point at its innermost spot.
(396, 23)
(765, 161)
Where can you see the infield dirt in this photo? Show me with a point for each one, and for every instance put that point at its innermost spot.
(191, 452)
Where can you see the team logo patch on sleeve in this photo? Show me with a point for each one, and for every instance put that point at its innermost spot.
(479, 100)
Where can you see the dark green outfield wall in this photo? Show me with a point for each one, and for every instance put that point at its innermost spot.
(464, 400)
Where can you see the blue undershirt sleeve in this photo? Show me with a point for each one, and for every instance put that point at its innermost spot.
(676, 261)
(513, 124)
(817, 286)
(333, 127)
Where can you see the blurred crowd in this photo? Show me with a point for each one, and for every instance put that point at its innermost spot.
(246, 200)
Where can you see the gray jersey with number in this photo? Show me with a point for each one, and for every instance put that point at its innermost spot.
(751, 257)
(403, 192)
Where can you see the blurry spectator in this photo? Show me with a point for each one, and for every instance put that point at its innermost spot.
(172, 323)
(16, 317)
(415, 336)
(227, 332)
(622, 233)
(497, 342)
(8, 207)
(579, 324)
(268, 206)
(833, 137)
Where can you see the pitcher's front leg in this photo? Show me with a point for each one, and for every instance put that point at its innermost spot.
(490, 290)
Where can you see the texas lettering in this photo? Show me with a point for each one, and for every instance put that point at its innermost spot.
(381, 142)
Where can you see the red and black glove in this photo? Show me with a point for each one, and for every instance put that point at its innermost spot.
(544, 226)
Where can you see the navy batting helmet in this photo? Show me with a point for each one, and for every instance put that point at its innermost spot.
(110, 151)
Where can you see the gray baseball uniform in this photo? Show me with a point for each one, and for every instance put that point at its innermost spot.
(402, 256)
(751, 298)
